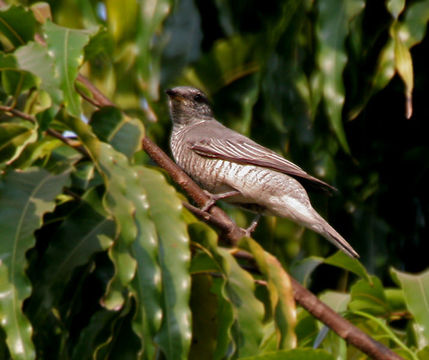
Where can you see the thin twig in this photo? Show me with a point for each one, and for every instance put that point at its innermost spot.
(74, 144)
(17, 113)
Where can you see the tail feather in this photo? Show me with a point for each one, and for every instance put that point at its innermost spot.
(332, 235)
(327, 231)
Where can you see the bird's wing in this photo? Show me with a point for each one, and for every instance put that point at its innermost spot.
(242, 150)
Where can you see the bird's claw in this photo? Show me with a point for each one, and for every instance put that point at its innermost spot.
(213, 198)
(248, 232)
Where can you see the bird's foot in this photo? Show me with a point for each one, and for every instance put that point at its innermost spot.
(213, 198)
(252, 226)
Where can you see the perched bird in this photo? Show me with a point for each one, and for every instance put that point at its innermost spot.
(232, 167)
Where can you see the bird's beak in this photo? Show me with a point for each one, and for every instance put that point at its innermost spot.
(174, 95)
(171, 92)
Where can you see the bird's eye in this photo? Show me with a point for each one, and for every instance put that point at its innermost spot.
(198, 98)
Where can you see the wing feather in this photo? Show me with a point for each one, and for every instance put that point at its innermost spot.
(245, 151)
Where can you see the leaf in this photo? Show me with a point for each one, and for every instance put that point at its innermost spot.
(337, 301)
(330, 341)
(25, 196)
(35, 59)
(204, 307)
(67, 46)
(174, 255)
(122, 187)
(296, 354)
(413, 28)
(369, 297)
(93, 334)
(242, 309)
(395, 7)
(122, 132)
(416, 293)
(150, 17)
(302, 270)
(85, 231)
(332, 29)
(13, 140)
(404, 67)
(119, 25)
(228, 61)
(17, 24)
(345, 262)
(280, 293)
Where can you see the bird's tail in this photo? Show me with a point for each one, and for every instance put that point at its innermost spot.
(327, 231)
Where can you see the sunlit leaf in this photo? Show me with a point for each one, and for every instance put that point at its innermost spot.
(67, 46)
(150, 17)
(13, 140)
(34, 58)
(121, 26)
(332, 29)
(369, 297)
(24, 198)
(416, 293)
(243, 311)
(173, 253)
(280, 293)
(296, 354)
(345, 262)
(413, 28)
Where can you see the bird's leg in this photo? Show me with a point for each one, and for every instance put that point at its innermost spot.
(252, 226)
(216, 197)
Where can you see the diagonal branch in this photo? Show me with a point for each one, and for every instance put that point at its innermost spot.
(233, 233)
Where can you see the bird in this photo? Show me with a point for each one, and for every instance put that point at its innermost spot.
(232, 167)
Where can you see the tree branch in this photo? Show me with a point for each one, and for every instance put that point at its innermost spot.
(233, 233)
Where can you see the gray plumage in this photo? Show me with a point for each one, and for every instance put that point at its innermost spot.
(222, 160)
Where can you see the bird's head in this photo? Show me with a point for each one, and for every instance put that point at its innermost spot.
(188, 105)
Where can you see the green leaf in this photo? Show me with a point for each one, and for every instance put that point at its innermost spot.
(122, 132)
(93, 334)
(369, 297)
(174, 255)
(17, 24)
(337, 301)
(331, 342)
(280, 293)
(303, 269)
(25, 196)
(119, 25)
(202, 263)
(204, 307)
(150, 18)
(395, 7)
(416, 293)
(332, 29)
(13, 140)
(35, 59)
(238, 290)
(296, 354)
(404, 67)
(123, 190)
(413, 28)
(345, 262)
(85, 231)
(67, 46)
(228, 61)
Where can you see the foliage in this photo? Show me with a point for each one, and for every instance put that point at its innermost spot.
(98, 258)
